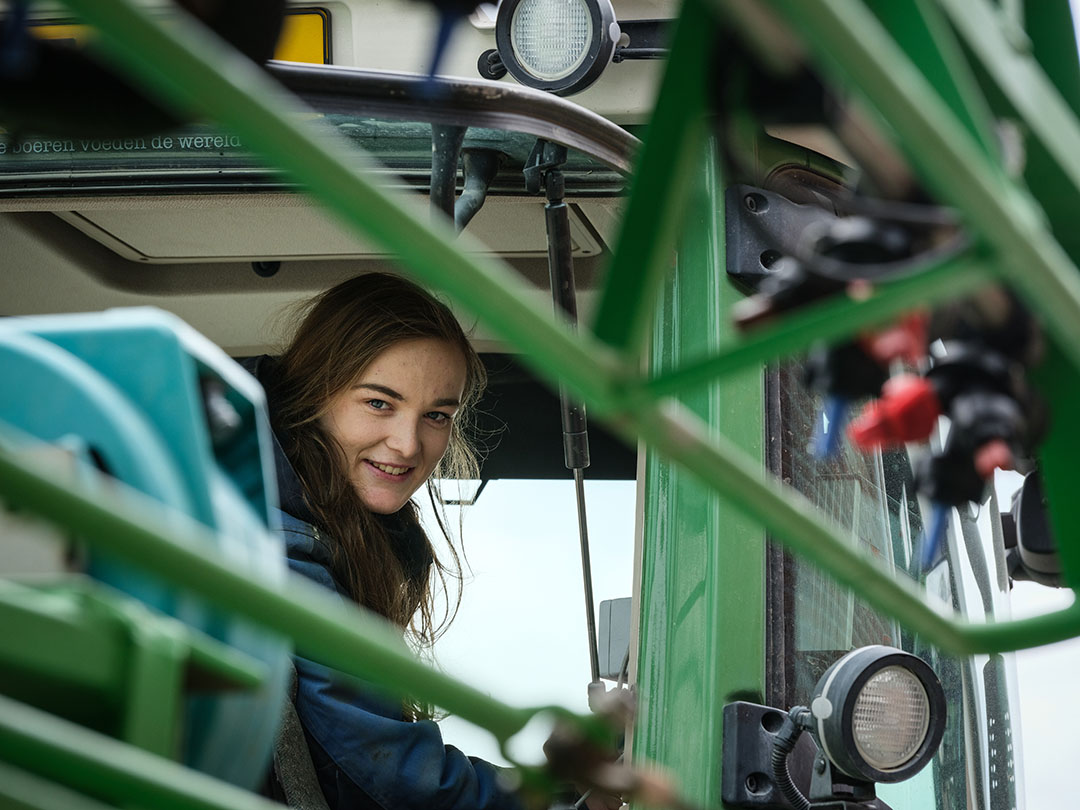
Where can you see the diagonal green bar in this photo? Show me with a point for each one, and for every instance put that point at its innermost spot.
(128, 524)
(829, 320)
(320, 624)
(92, 763)
(21, 790)
(851, 44)
(210, 75)
(661, 185)
(197, 72)
(794, 520)
(1022, 79)
(920, 28)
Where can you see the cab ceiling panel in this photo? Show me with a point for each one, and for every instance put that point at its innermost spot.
(224, 232)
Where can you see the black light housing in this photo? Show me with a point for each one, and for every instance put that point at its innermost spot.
(561, 46)
(878, 714)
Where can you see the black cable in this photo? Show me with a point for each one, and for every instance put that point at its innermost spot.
(783, 745)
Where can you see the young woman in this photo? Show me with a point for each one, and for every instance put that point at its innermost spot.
(369, 401)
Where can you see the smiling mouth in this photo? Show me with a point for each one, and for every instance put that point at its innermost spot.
(389, 469)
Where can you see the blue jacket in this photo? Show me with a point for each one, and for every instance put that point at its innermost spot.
(365, 753)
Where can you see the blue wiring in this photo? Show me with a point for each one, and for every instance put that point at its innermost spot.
(933, 535)
(827, 440)
(447, 21)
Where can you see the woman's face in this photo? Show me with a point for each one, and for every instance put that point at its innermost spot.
(394, 422)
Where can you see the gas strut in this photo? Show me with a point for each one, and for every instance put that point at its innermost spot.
(544, 168)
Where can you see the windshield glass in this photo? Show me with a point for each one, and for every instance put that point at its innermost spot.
(523, 596)
(873, 497)
(202, 157)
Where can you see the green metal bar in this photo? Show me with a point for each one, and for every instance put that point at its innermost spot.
(195, 71)
(45, 632)
(1050, 25)
(851, 43)
(1057, 459)
(325, 628)
(1017, 86)
(1009, 61)
(703, 561)
(920, 28)
(829, 320)
(77, 631)
(237, 94)
(20, 790)
(664, 176)
(108, 769)
(320, 624)
(793, 520)
(155, 680)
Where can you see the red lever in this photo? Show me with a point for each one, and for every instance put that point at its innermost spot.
(907, 411)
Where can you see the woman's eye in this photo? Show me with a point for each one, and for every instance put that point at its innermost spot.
(378, 404)
(439, 416)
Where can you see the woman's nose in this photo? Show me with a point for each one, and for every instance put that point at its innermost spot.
(404, 438)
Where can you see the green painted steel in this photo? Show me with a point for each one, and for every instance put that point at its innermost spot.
(104, 658)
(852, 43)
(920, 28)
(667, 169)
(853, 47)
(1059, 383)
(323, 627)
(827, 320)
(702, 636)
(99, 766)
(1050, 27)
(20, 790)
(1005, 52)
(710, 502)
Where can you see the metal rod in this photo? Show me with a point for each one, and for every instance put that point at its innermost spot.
(446, 141)
(574, 422)
(795, 521)
(586, 575)
(851, 42)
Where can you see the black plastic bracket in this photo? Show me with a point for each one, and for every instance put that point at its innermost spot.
(746, 781)
(545, 158)
(762, 227)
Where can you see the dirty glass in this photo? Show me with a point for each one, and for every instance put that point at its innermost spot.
(873, 497)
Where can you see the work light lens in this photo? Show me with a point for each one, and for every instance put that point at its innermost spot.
(551, 38)
(890, 718)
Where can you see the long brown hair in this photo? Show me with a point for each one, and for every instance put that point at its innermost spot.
(342, 331)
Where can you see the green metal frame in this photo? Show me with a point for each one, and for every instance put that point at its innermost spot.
(77, 646)
(939, 117)
(199, 74)
(705, 599)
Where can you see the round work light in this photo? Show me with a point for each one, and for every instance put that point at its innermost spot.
(561, 46)
(879, 714)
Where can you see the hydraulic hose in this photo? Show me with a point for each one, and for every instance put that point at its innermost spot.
(783, 745)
